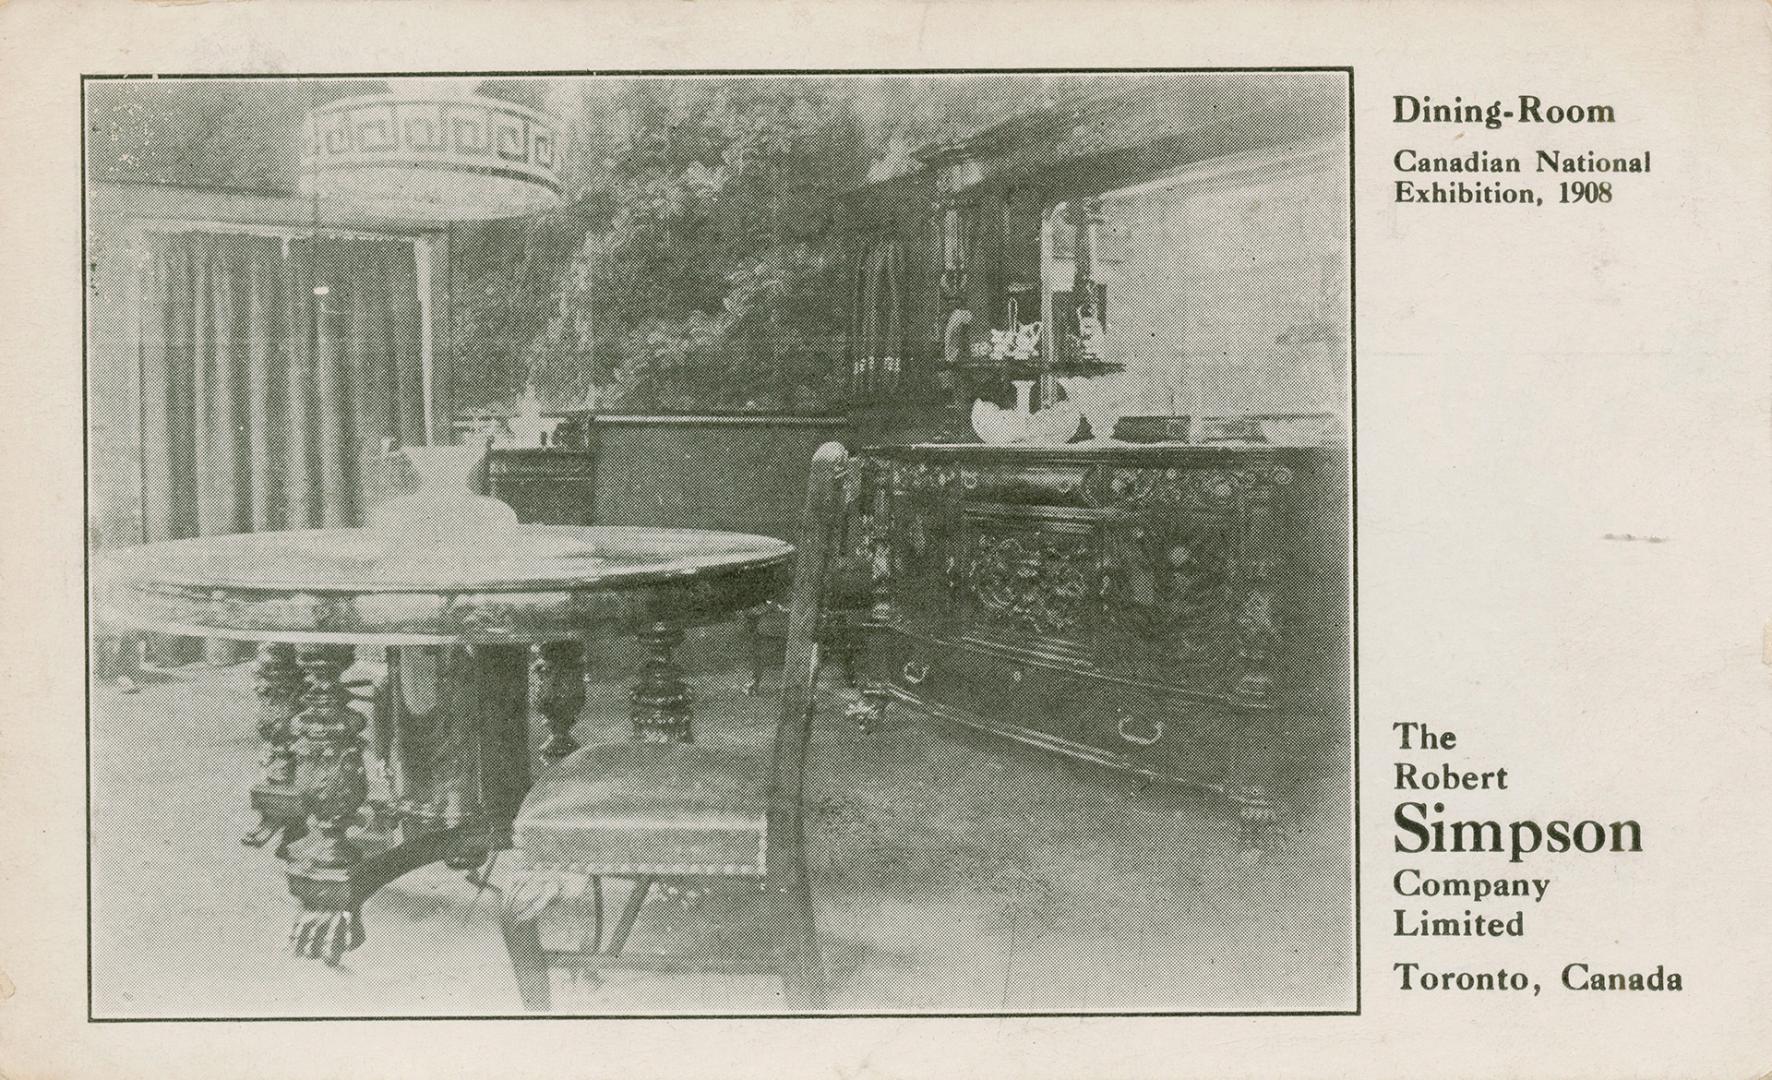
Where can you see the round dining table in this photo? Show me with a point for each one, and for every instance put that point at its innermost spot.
(471, 621)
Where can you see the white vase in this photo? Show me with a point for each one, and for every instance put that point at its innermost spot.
(445, 505)
(1001, 427)
(1100, 406)
(1051, 426)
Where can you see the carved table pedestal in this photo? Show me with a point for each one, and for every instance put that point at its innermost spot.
(454, 738)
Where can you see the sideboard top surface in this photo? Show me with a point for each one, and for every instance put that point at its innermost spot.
(1124, 454)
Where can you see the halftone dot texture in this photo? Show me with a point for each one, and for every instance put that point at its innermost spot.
(243, 377)
(950, 872)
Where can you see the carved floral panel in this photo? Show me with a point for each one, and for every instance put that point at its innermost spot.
(1170, 585)
(1043, 583)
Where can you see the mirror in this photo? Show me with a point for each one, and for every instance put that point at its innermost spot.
(1219, 288)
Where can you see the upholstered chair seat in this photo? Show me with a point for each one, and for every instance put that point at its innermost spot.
(650, 809)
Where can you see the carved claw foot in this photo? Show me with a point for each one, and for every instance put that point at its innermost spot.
(868, 711)
(326, 935)
(260, 834)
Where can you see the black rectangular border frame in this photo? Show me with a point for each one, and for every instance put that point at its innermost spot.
(1353, 541)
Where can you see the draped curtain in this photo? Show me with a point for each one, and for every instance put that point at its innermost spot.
(272, 369)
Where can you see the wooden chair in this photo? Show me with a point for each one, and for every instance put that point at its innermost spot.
(687, 814)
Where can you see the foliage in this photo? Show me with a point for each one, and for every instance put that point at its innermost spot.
(697, 266)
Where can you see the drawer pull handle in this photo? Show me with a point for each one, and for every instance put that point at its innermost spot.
(914, 673)
(1156, 732)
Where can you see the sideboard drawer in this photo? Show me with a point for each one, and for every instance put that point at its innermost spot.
(976, 683)
(955, 677)
(1178, 736)
(1108, 720)
(1154, 730)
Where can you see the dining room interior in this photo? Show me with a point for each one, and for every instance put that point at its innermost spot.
(720, 544)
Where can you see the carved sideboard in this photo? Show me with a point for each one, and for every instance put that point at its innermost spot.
(1179, 612)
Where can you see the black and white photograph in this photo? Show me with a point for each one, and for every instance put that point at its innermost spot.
(720, 544)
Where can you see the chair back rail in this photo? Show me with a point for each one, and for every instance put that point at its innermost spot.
(789, 917)
(820, 536)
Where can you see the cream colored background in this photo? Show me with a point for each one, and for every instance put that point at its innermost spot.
(1528, 381)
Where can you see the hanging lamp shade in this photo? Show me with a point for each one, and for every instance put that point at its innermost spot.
(425, 154)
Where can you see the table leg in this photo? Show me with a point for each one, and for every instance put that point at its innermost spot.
(560, 694)
(661, 701)
(278, 682)
(463, 768)
(329, 774)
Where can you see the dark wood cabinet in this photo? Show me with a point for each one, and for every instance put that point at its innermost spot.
(1180, 612)
(743, 473)
(545, 486)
